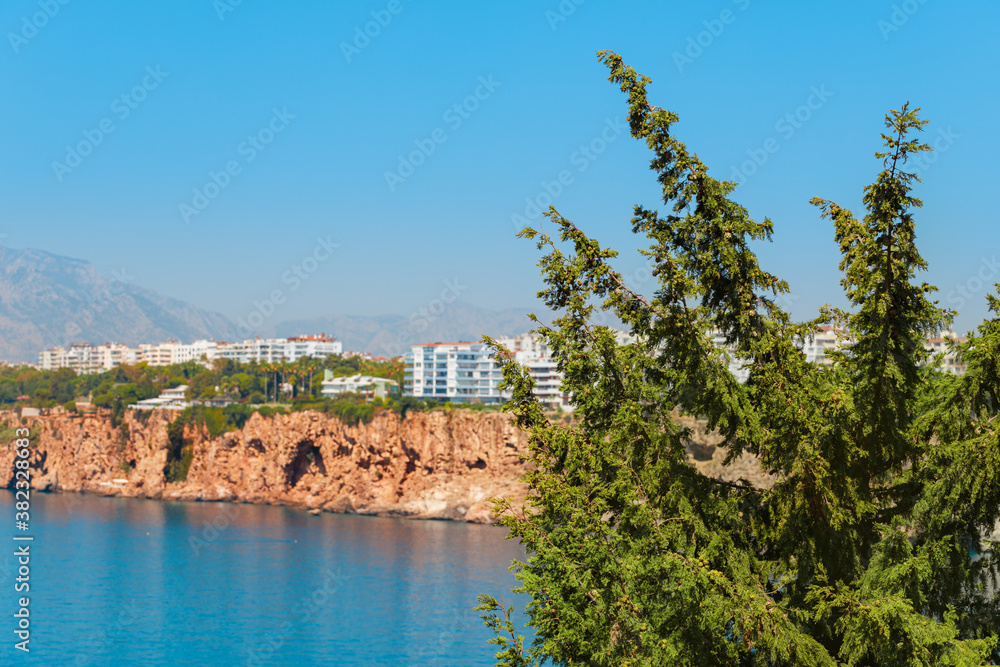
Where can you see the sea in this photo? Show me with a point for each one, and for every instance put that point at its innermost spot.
(122, 581)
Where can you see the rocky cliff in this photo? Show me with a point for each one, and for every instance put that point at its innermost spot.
(441, 465)
(429, 465)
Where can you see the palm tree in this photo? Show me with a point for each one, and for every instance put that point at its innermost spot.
(267, 373)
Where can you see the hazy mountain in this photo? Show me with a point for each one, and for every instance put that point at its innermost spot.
(48, 300)
(391, 335)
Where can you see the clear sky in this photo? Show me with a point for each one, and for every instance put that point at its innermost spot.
(242, 133)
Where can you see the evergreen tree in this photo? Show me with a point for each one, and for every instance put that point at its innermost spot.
(866, 549)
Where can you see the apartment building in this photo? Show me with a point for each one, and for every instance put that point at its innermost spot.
(530, 350)
(461, 372)
(737, 366)
(816, 346)
(952, 362)
(86, 358)
(464, 372)
(272, 350)
(164, 354)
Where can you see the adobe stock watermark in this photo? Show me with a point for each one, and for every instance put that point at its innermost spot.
(122, 107)
(248, 149)
(901, 13)
(211, 530)
(444, 649)
(973, 287)
(119, 630)
(31, 25)
(785, 300)
(454, 116)
(581, 159)
(295, 276)
(304, 611)
(786, 126)
(363, 35)
(714, 28)
(422, 318)
(634, 281)
(941, 143)
(565, 9)
(223, 7)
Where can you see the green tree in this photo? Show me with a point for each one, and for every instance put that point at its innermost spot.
(202, 385)
(866, 549)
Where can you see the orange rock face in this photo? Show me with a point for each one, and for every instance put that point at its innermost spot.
(431, 465)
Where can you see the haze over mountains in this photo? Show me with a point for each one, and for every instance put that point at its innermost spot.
(391, 335)
(48, 300)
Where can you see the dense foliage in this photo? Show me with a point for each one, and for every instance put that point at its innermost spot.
(868, 550)
(254, 383)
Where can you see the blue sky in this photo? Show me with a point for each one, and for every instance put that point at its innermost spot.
(290, 117)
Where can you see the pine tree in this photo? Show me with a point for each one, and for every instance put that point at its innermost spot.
(864, 551)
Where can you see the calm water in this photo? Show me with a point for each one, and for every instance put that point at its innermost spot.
(119, 582)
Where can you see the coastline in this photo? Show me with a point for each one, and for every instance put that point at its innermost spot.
(436, 465)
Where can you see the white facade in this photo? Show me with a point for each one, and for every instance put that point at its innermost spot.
(161, 354)
(456, 372)
(207, 349)
(816, 348)
(548, 379)
(354, 383)
(273, 350)
(164, 354)
(465, 372)
(817, 345)
(85, 358)
(169, 399)
(740, 368)
(952, 362)
(530, 350)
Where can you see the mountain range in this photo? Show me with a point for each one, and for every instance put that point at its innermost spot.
(48, 300)
(392, 335)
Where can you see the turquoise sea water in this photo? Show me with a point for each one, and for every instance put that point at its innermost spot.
(119, 581)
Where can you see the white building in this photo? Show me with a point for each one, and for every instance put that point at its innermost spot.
(85, 358)
(464, 372)
(817, 345)
(50, 360)
(952, 362)
(548, 379)
(273, 350)
(530, 350)
(161, 354)
(740, 368)
(816, 348)
(169, 399)
(456, 372)
(164, 354)
(355, 383)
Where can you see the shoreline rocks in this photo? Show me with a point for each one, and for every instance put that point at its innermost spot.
(428, 465)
